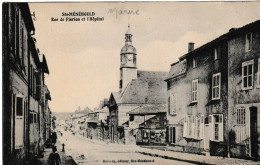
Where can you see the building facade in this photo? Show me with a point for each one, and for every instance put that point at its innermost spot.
(21, 95)
(244, 91)
(211, 96)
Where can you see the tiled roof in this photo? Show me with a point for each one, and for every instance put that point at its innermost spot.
(232, 32)
(177, 69)
(148, 88)
(103, 110)
(149, 109)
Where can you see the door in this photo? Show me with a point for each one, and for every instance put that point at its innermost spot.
(253, 132)
(19, 122)
(112, 134)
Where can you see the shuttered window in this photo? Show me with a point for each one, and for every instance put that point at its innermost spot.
(172, 104)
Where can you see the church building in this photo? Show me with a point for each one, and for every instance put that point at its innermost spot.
(136, 89)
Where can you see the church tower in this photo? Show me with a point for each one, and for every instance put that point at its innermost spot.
(128, 70)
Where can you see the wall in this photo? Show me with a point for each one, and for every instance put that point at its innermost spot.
(239, 98)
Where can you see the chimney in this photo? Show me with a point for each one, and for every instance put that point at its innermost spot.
(190, 47)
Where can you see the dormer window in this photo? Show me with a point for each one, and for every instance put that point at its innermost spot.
(248, 44)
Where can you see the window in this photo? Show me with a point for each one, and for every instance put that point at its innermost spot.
(241, 116)
(247, 74)
(19, 106)
(248, 45)
(216, 127)
(195, 62)
(172, 104)
(216, 53)
(31, 118)
(132, 117)
(190, 126)
(216, 84)
(22, 47)
(258, 74)
(194, 90)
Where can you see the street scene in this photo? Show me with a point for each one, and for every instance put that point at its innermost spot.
(131, 83)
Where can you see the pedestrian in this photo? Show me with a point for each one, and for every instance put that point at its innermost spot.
(54, 158)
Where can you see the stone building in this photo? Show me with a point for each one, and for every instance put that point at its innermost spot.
(205, 100)
(98, 124)
(21, 95)
(244, 90)
(135, 88)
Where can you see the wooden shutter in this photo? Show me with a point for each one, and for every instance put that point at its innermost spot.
(211, 131)
(185, 124)
(169, 105)
(221, 129)
(193, 131)
(202, 127)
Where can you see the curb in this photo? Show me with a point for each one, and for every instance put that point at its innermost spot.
(173, 158)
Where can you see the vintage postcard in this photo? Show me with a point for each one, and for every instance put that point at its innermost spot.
(101, 83)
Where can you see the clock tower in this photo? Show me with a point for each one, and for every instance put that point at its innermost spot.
(128, 70)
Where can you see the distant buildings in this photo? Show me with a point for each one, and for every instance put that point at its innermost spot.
(25, 100)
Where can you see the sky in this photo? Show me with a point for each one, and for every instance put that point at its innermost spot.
(84, 56)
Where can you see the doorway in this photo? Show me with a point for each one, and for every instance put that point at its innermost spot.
(253, 132)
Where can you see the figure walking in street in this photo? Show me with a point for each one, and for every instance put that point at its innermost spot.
(54, 158)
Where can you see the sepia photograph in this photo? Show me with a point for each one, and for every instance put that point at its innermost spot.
(140, 83)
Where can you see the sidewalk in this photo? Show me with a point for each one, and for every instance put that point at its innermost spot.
(65, 159)
(194, 158)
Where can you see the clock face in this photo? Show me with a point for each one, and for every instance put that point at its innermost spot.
(130, 58)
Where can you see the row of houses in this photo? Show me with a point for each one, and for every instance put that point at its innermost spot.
(26, 113)
(209, 101)
(90, 124)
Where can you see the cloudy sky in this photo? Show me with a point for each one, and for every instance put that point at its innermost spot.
(84, 57)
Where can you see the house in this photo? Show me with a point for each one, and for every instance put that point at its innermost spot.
(23, 82)
(135, 88)
(197, 100)
(244, 91)
(17, 28)
(152, 129)
(78, 118)
(98, 124)
(206, 95)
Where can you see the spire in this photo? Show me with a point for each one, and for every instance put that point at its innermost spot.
(128, 36)
(128, 30)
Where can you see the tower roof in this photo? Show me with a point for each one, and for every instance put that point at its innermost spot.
(128, 30)
(128, 49)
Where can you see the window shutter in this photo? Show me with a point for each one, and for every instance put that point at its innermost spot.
(221, 136)
(185, 127)
(258, 73)
(169, 106)
(202, 127)
(211, 131)
(193, 127)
